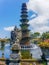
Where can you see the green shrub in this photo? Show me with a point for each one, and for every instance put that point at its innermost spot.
(26, 54)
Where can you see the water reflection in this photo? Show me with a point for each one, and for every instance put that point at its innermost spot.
(6, 51)
(36, 51)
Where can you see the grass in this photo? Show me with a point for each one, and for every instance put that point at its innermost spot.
(44, 63)
(26, 54)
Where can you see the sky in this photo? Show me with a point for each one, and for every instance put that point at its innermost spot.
(10, 11)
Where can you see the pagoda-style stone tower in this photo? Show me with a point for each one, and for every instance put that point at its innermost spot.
(25, 41)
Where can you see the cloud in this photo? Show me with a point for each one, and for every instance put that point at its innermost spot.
(9, 28)
(41, 7)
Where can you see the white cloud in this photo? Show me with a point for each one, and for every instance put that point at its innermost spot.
(9, 28)
(41, 7)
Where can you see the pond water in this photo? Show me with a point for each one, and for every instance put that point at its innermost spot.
(36, 51)
(6, 51)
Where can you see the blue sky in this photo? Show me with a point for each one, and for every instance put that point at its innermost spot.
(10, 15)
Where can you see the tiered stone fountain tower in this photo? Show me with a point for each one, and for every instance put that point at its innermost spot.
(25, 41)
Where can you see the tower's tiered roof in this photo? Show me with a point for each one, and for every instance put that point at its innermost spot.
(24, 25)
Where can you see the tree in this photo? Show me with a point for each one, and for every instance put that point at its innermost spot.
(35, 35)
(45, 36)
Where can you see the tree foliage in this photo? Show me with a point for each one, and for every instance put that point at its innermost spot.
(45, 36)
(35, 35)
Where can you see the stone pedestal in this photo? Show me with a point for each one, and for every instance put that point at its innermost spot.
(15, 55)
